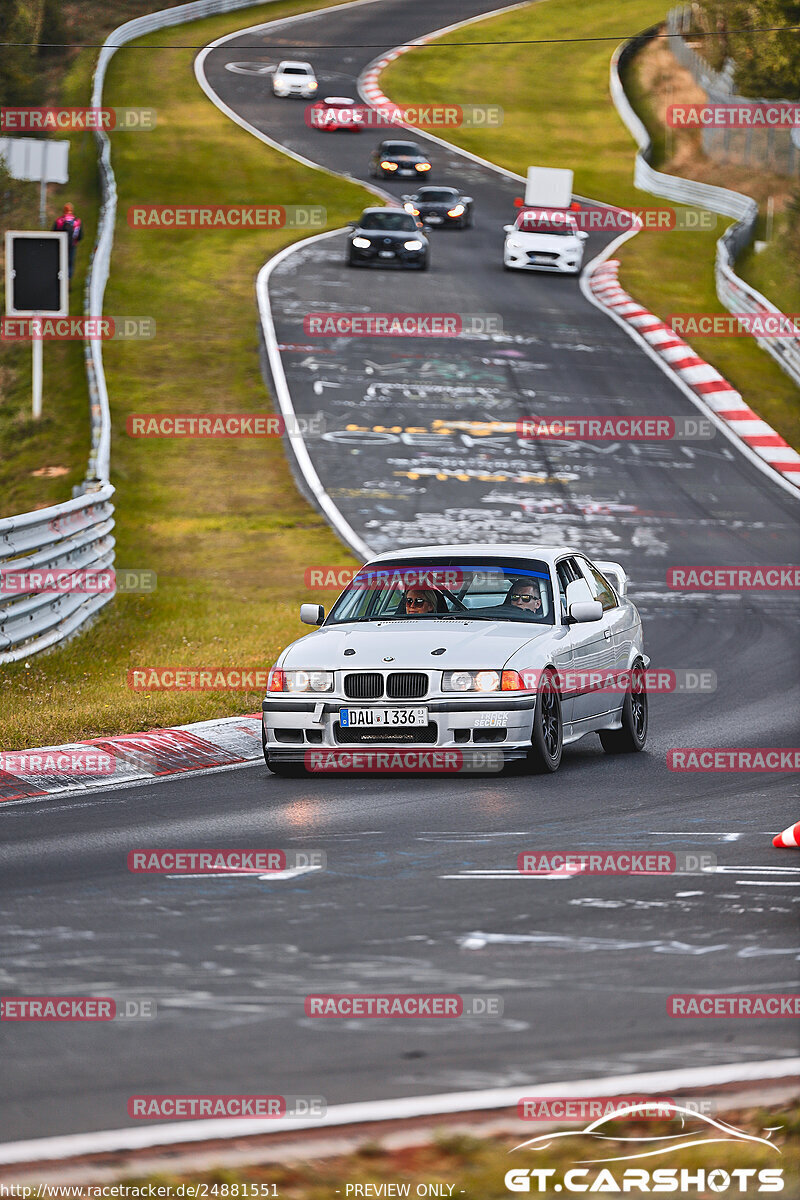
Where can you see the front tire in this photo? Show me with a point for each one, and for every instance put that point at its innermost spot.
(544, 757)
(631, 738)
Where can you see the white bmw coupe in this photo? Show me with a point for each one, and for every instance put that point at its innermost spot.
(521, 648)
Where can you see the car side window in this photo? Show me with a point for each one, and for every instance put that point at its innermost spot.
(566, 571)
(600, 587)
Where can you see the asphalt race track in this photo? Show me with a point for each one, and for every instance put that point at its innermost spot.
(420, 891)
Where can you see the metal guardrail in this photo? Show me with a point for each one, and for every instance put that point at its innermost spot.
(78, 534)
(733, 292)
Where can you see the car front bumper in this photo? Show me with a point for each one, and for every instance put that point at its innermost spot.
(292, 728)
(400, 257)
(565, 264)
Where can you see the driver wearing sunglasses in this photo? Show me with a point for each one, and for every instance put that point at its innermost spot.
(524, 595)
(420, 600)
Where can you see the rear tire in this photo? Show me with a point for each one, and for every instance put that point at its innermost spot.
(544, 757)
(631, 738)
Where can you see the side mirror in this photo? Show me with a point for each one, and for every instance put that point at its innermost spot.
(508, 228)
(312, 614)
(580, 599)
(582, 234)
(584, 611)
(406, 197)
(466, 199)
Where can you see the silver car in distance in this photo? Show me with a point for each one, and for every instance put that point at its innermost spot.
(520, 648)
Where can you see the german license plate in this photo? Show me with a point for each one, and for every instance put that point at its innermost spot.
(386, 253)
(433, 220)
(370, 718)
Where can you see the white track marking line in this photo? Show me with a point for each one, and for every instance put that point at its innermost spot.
(368, 1112)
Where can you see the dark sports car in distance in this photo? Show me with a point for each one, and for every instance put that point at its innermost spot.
(387, 237)
(440, 206)
(400, 159)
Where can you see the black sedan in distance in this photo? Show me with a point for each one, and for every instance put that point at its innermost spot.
(388, 237)
(444, 206)
(393, 159)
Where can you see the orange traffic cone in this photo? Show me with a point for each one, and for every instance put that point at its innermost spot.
(790, 837)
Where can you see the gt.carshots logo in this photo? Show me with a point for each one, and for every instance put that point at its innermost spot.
(600, 1170)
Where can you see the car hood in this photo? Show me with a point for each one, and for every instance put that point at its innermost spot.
(410, 645)
(556, 242)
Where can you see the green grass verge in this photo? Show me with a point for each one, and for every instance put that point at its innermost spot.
(558, 113)
(476, 1168)
(221, 523)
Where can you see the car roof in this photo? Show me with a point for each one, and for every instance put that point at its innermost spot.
(438, 187)
(387, 208)
(338, 100)
(294, 62)
(399, 142)
(513, 549)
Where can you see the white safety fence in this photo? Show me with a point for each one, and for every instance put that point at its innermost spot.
(78, 534)
(736, 295)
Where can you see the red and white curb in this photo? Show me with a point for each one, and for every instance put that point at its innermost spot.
(703, 379)
(129, 758)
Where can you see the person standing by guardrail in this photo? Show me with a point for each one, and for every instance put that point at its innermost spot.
(71, 225)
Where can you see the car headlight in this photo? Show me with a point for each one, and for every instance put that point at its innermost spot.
(300, 681)
(471, 681)
(513, 244)
(414, 244)
(387, 166)
(422, 166)
(483, 681)
(312, 85)
(362, 243)
(410, 208)
(455, 212)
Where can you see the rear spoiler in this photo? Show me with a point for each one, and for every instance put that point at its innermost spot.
(616, 574)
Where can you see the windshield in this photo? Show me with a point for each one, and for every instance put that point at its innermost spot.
(295, 70)
(486, 589)
(433, 195)
(392, 221)
(400, 148)
(531, 223)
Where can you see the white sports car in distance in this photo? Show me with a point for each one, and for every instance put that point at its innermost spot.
(540, 241)
(526, 648)
(294, 79)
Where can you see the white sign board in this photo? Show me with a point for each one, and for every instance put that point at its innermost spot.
(549, 187)
(39, 159)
